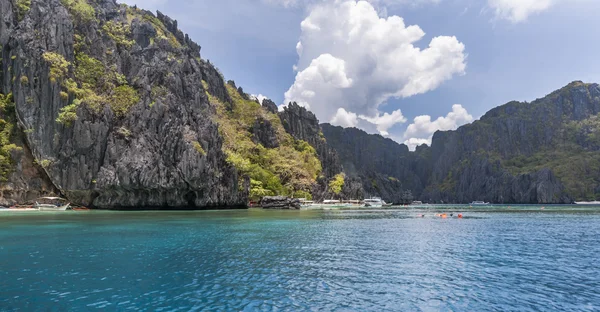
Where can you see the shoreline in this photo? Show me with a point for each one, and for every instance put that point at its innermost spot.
(421, 208)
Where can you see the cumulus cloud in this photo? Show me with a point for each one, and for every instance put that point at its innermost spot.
(353, 59)
(344, 119)
(422, 129)
(386, 121)
(519, 10)
(259, 97)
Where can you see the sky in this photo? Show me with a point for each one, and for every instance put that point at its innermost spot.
(400, 68)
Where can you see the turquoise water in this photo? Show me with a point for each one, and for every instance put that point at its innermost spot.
(494, 259)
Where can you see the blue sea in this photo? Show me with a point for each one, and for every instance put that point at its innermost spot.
(493, 259)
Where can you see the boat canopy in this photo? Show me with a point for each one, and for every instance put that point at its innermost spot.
(52, 198)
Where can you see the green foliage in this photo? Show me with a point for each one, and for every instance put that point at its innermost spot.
(64, 95)
(285, 170)
(257, 191)
(88, 70)
(23, 7)
(45, 163)
(96, 85)
(198, 148)
(123, 99)
(7, 125)
(24, 80)
(119, 33)
(68, 114)
(337, 183)
(393, 179)
(59, 67)
(303, 194)
(158, 93)
(80, 9)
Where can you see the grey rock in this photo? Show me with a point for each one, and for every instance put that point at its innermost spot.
(279, 202)
(383, 167)
(264, 133)
(92, 162)
(270, 106)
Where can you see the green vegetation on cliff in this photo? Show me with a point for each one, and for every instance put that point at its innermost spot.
(91, 81)
(7, 133)
(23, 7)
(291, 168)
(80, 9)
(560, 132)
(336, 184)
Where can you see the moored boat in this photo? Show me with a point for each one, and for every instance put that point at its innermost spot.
(373, 202)
(479, 203)
(51, 206)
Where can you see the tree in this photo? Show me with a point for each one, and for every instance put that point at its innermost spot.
(335, 185)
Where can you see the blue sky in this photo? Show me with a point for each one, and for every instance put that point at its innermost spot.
(360, 65)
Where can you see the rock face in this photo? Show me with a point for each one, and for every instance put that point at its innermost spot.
(270, 106)
(540, 152)
(113, 107)
(279, 202)
(381, 166)
(264, 133)
(304, 125)
(147, 157)
(27, 182)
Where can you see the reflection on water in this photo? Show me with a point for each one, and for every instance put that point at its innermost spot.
(522, 259)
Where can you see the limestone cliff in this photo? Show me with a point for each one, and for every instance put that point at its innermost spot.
(111, 105)
(545, 151)
(381, 166)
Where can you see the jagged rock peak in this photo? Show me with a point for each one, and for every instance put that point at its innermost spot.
(270, 106)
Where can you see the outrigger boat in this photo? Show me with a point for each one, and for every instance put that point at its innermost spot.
(51, 207)
(373, 202)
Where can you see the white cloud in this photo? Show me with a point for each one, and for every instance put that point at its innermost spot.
(344, 119)
(351, 58)
(519, 10)
(422, 129)
(414, 142)
(299, 3)
(259, 97)
(386, 121)
(513, 10)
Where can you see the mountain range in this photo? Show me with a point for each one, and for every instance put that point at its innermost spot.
(113, 107)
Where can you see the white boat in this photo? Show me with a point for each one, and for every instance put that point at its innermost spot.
(306, 204)
(417, 203)
(51, 207)
(333, 204)
(588, 203)
(373, 202)
(479, 203)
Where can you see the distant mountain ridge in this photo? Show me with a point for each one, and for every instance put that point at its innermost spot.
(545, 151)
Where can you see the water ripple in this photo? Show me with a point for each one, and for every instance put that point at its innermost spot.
(296, 261)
